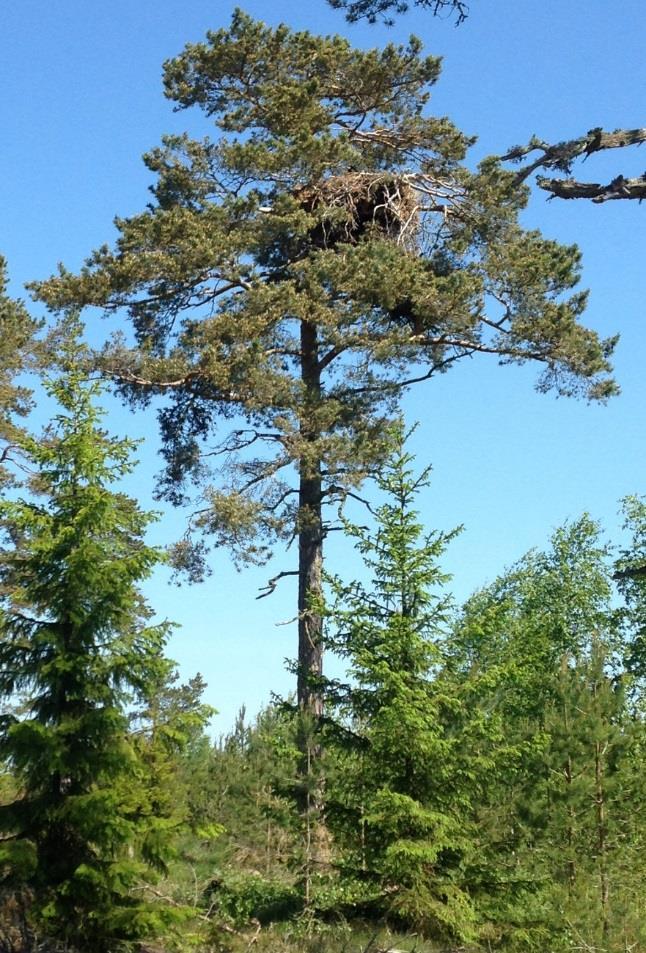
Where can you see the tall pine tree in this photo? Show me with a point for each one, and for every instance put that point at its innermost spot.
(297, 273)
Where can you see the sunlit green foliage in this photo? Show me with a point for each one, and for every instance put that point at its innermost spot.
(540, 651)
(397, 783)
(329, 247)
(76, 648)
(17, 330)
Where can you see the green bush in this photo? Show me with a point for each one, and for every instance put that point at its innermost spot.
(250, 896)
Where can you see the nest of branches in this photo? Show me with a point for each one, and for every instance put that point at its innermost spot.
(349, 205)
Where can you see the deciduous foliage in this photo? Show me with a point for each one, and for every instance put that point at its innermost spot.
(559, 829)
(631, 578)
(294, 275)
(77, 647)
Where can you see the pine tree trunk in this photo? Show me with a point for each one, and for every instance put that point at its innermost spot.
(310, 565)
(310, 535)
(310, 622)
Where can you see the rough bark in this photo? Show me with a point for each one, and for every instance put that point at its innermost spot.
(561, 156)
(635, 572)
(619, 188)
(310, 562)
(310, 536)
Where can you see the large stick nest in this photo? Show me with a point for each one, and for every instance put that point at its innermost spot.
(348, 206)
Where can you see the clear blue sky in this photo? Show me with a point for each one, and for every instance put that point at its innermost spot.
(81, 100)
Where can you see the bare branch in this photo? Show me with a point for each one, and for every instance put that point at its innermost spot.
(240, 440)
(6, 457)
(30, 620)
(273, 582)
(463, 348)
(561, 156)
(267, 469)
(343, 493)
(129, 377)
(272, 507)
(331, 355)
(619, 188)
(636, 572)
(371, 10)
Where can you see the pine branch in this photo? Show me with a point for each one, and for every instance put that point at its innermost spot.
(273, 582)
(562, 155)
(619, 188)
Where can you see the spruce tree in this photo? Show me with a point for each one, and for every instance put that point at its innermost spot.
(297, 273)
(397, 799)
(76, 647)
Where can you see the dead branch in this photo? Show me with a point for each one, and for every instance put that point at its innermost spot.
(619, 188)
(273, 582)
(342, 493)
(562, 155)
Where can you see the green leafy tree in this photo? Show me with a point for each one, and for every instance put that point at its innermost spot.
(300, 271)
(239, 857)
(76, 646)
(397, 800)
(540, 650)
(168, 731)
(593, 820)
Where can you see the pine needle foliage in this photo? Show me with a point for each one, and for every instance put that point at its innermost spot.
(295, 274)
(17, 331)
(374, 10)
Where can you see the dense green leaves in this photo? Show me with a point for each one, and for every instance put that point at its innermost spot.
(540, 652)
(481, 777)
(483, 774)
